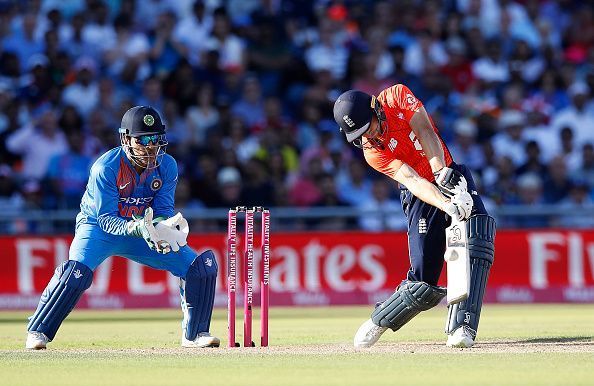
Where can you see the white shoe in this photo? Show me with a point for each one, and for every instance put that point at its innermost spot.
(204, 339)
(368, 334)
(463, 337)
(36, 341)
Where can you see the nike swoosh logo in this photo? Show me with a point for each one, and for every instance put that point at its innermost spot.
(124, 186)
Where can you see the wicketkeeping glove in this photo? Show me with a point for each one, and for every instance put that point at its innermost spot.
(174, 231)
(142, 226)
(460, 206)
(450, 181)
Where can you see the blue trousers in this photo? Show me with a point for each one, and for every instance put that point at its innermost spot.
(426, 231)
(91, 246)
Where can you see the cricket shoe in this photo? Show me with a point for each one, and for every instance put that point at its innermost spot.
(463, 337)
(204, 339)
(368, 334)
(36, 341)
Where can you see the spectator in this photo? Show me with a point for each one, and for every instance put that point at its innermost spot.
(379, 212)
(23, 42)
(465, 149)
(99, 35)
(11, 201)
(508, 142)
(556, 183)
(230, 188)
(127, 56)
(84, 93)
(578, 197)
(231, 48)
(193, 31)
(585, 170)
(575, 116)
(530, 193)
(533, 162)
(37, 143)
(354, 186)
(166, 51)
(491, 68)
(250, 108)
(68, 173)
(327, 53)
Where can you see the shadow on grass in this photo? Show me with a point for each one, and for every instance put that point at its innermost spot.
(101, 319)
(553, 339)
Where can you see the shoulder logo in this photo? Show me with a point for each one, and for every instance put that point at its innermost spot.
(77, 274)
(148, 120)
(348, 121)
(410, 99)
(156, 184)
(392, 144)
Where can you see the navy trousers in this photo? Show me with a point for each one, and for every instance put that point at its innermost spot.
(426, 231)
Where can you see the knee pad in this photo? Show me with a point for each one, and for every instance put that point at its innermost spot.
(65, 288)
(197, 292)
(481, 250)
(408, 301)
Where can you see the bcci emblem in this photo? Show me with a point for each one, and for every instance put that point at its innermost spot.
(148, 120)
(156, 184)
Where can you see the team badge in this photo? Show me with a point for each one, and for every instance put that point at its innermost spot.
(156, 184)
(149, 120)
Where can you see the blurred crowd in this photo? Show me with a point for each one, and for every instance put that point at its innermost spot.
(246, 88)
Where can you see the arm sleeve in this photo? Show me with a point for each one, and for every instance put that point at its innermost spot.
(103, 184)
(164, 203)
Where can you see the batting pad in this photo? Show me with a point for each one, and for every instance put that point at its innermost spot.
(481, 250)
(408, 301)
(197, 292)
(60, 296)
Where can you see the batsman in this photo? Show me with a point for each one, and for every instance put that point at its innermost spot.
(128, 210)
(400, 140)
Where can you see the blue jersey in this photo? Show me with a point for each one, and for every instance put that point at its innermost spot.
(115, 191)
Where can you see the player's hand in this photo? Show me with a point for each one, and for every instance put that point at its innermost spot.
(460, 206)
(142, 226)
(450, 181)
(174, 231)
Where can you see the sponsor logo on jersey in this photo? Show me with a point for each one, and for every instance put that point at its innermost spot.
(77, 274)
(123, 186)
(156, 184)
(348, 121)
(400, 115)
(136, 200)
(392, 144)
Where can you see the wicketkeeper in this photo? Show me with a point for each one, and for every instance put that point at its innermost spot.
(400, 140)
(127, 210)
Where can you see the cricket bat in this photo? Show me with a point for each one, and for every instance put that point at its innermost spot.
(458, 262)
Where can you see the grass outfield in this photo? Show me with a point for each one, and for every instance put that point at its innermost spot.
(518, 345)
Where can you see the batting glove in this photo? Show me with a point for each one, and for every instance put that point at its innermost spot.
(450, 181)
(460, 206)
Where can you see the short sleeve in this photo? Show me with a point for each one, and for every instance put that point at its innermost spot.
(399, 96)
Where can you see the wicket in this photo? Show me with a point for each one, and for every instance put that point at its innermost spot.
(248, 274)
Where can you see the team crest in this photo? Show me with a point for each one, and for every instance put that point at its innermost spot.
(156, 184)
(148, 120)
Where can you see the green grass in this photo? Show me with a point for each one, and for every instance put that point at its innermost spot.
(519, 345)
